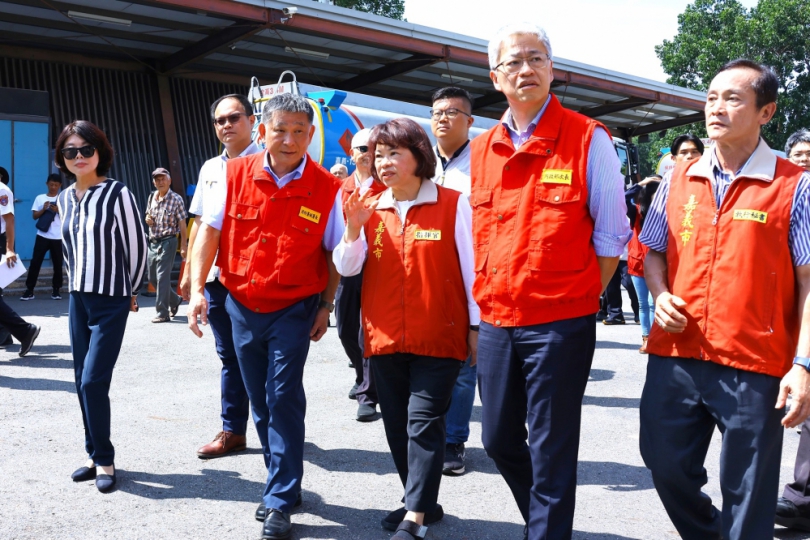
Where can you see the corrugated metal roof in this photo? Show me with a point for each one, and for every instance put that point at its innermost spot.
(325, 45)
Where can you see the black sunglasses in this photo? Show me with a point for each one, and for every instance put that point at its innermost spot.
(230, 119)
(71, 153)
(362, 148)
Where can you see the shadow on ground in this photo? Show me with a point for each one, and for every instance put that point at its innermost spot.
(211, 484)
(614, 476)
(790, 534)
(617, 345)
(604, 401)
(15, 383)
(598, 375)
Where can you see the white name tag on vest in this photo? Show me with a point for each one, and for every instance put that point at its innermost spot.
(427, 235)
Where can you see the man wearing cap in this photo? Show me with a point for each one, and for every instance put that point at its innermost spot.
(347, 299)
(166, 217)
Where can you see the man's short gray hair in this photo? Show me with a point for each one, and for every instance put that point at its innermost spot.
(292, 103)
(801, 136)
(495, 44)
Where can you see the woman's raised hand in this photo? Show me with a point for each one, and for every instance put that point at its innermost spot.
(357, 210)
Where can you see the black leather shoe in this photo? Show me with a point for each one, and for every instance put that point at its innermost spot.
(261, 510)
(790, 516)
(28, 342)
(392, 520)
(83, 474)
(277, 526)
(105, 482)
(613, 321)
(408, 530)
(367, 413)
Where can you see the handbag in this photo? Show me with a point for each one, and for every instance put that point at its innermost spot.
(45, 220)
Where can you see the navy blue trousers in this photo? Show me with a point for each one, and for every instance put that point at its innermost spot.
(272, 349)
(536, 374)
(235, 403)
(96, 324)
(682, 402)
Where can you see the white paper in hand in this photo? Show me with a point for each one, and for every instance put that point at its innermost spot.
(8, 275)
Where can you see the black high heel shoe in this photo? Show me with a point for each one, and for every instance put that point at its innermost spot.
(105, 482)
(82, 474)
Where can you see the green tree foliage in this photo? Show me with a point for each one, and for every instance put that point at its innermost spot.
(775, 32)
(394, 9)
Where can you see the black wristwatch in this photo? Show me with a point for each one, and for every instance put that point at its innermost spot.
(327, 305)
(474, 327)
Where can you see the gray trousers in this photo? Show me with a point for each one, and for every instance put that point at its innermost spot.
(682, 402)
(160, 260)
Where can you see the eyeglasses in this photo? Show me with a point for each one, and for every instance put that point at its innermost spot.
(363, 149)
(451, 113)
(513, 66)
(71, 153)
(230, 119)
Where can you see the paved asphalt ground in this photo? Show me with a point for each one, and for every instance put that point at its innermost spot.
(165, 404)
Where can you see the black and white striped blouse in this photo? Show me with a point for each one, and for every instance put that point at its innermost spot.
(103, 240)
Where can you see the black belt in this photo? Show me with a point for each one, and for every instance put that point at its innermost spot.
(161, 238)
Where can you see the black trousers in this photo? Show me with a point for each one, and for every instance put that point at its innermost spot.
(13, 323)
(42, 246)
(415, 394)
(682, 402)
(350, 332)
(613, 292)
(799, 490)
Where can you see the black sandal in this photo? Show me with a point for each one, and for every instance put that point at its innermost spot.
(409, 530)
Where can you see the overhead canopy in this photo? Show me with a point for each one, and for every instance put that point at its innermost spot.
(325, 45)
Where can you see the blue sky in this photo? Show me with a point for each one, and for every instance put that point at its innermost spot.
(613, 34)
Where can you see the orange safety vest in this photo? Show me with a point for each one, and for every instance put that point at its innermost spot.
(732, 267)
(636, 251)
(532, 231)
(270, 252)
(413, 298)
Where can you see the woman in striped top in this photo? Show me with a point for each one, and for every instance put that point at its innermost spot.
(104, 246)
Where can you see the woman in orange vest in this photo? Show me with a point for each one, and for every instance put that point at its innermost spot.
(414, 245)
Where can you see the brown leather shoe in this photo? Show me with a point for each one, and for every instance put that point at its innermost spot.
(643, 348)
(224, 443)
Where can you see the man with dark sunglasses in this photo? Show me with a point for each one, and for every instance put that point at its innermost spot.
(347, 298)
(232, 118)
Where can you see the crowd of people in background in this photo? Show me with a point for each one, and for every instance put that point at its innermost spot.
(483, 262)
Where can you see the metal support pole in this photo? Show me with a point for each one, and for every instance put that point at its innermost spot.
(170, 133)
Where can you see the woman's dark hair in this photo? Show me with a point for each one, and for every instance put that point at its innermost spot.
(686, 137)
(4, 175)
(645, 197)
(93, 135)
(405, 133)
